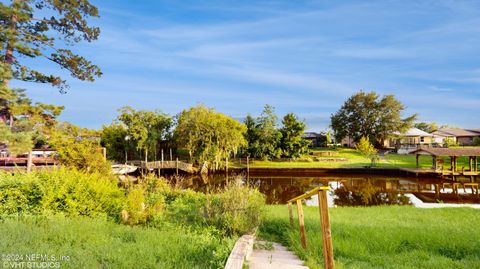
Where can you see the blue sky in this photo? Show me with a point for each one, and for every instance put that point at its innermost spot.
(304, 57)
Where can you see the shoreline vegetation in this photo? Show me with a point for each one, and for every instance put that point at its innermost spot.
(99, 224)
(383, 236)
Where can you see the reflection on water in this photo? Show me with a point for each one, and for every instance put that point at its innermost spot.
(348, 190)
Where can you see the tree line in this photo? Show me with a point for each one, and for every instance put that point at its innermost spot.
(206, 135)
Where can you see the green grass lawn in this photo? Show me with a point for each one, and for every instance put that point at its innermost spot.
(384, 237)
(93, 243)
(354, 159)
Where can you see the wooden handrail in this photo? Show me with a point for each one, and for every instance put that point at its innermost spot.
(309, 194)
(324, 222)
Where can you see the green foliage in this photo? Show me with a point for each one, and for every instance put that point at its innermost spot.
(237, 209)
(29, 30)
(233, 210)
(428, 127)
(262, 135)
(209, 136)
(82, 154)
(19, 194)
(146, 129)
(364, 115)
(17, 142)
(115, 139)
(134, 205)
(97, 243)
(476, 141)
(328, 138)
(292, 143)
(449, 142)
(383, 236)
(367, 150)
(60, 191)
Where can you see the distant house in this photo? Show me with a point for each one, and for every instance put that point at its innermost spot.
(410, 141)
(461, 136)
(347, 142)
(316, 139)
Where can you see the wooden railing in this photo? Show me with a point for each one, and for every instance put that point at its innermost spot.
(327, 246)
(177, 164)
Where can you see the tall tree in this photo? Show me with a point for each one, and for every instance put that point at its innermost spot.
(209, 136)
(147, 129)
(263, 135)
(292, 143)
(31, 29)
(365, 115)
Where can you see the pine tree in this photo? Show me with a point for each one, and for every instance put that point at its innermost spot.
(43, 29)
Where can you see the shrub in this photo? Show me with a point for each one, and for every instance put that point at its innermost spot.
(135, 207)
(237, 209)
(234, 210)
(62, 190)
(19, 194)
(476, 141)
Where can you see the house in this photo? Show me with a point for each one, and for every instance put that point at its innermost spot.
(316, 139)
(410, 141)
(347, 142)
(463, 137)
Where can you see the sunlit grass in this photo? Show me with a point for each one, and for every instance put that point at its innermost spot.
(352, 159)
(384, 237)
(95, 243)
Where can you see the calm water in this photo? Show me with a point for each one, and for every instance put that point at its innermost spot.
(347, 190)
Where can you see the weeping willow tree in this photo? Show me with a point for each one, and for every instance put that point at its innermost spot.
(209, 136)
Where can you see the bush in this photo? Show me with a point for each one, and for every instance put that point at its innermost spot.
(237, 209)
(234, 210)
(62, 190)
(476, 141)
(20, 194)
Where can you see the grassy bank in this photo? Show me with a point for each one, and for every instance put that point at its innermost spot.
(95, 243)
(384, 237)
(98, 224)
(350, 158)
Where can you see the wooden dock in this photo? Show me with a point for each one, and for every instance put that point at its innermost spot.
(177, 165)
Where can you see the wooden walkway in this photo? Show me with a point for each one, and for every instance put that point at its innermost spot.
(178, 165)
(268, 255)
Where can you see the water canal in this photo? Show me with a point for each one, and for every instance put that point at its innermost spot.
(348, 189)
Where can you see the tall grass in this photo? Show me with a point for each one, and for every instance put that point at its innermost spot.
(77, 214)
(95, 243)
(384, 237)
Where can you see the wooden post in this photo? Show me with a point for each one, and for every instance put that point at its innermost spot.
(226, 168)
(161, 165)
(416, 157)
(326, 230)
(452, 166)
(290, 213)
(176, 165)
(301, 224)
(248, 170)
(104, 153)
(29, 162)
(171, 155)
(437, 191)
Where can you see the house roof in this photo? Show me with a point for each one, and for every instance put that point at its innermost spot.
(455, 132)
(448, 151)
(415, 132)
(310, 135)
(477, 130)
